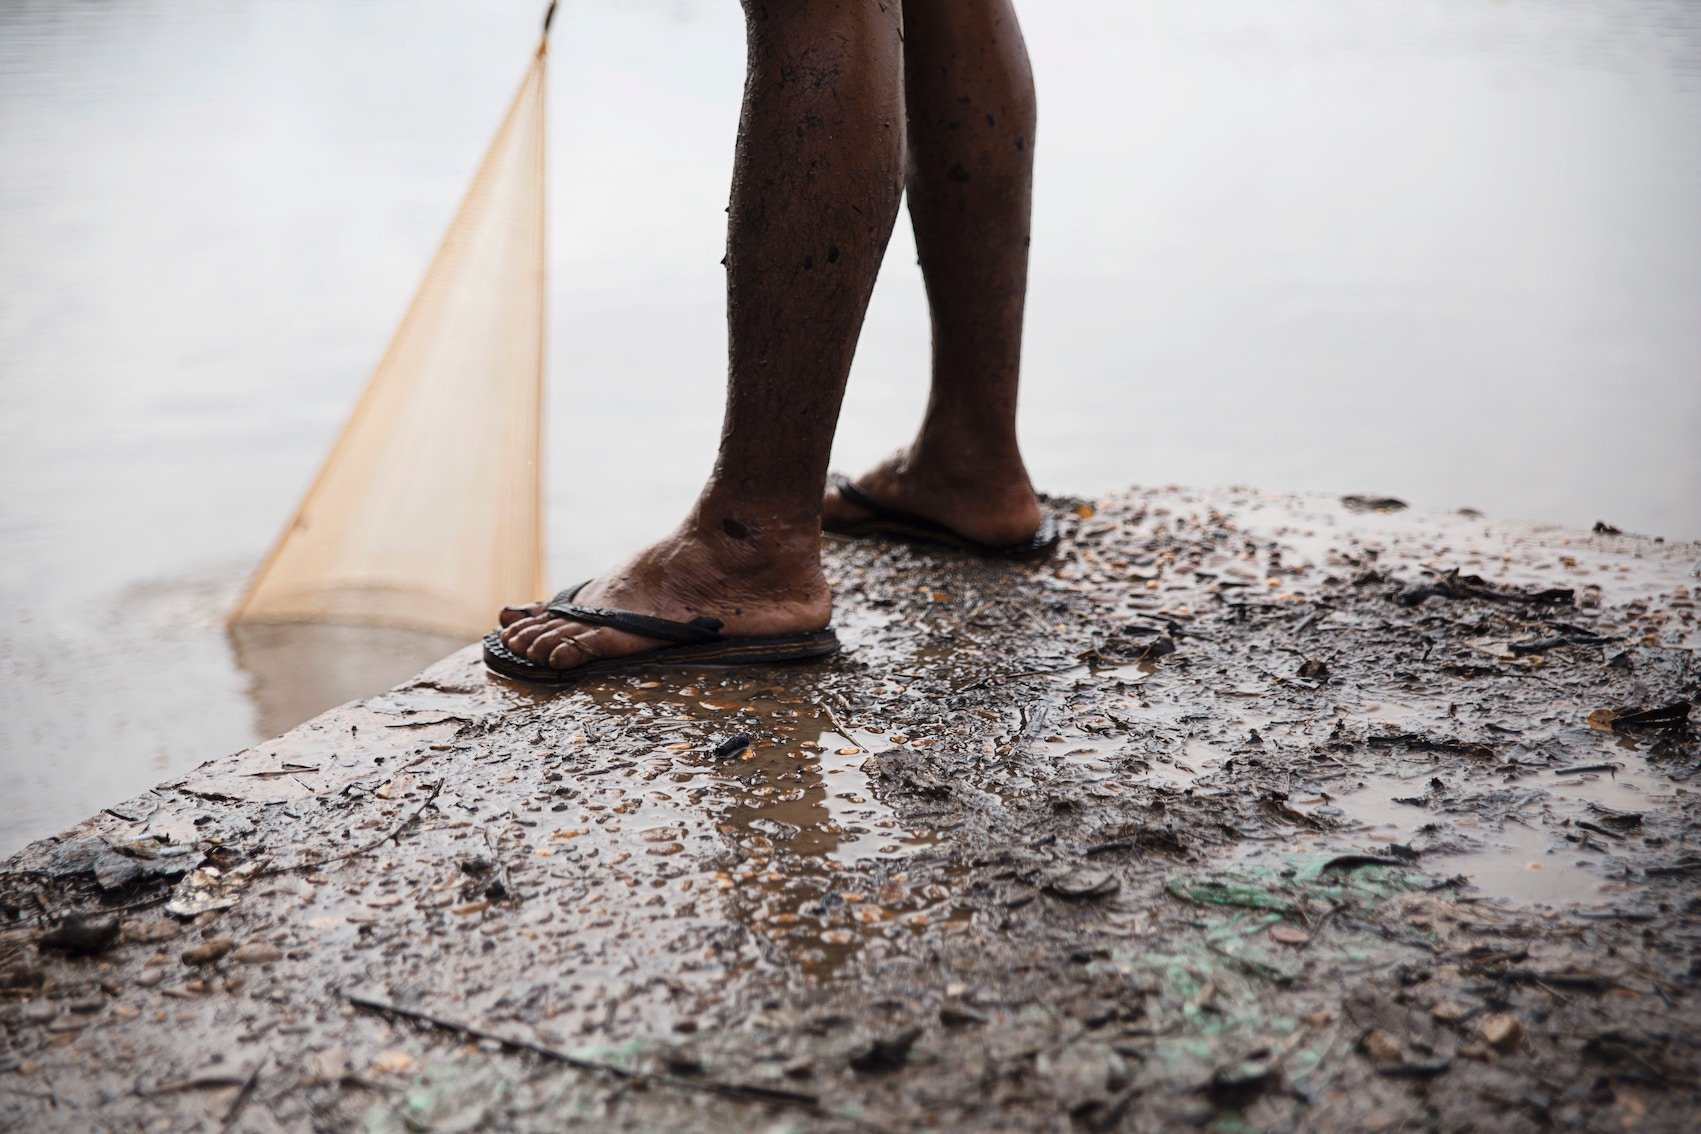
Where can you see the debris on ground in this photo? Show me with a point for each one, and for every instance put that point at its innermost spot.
(1246, 812)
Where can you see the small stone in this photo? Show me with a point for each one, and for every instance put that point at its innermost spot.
(1501, 1030)
(731, 746)
(1381, 1047)
(208, 952)
(151, 932)
(1082, 882)
(1475, 1051)
(960, 1015)
(328, 1066)
(798, 1067)
(256, 953)
(150, 977)
(1289, 935)
(682, 1061)
(1449, 1012)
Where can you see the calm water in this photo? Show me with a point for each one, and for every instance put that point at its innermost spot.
(1446, 249)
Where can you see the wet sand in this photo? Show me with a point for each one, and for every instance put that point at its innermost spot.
(1248, 812)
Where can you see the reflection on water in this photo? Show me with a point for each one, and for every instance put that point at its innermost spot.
(1525, 847)
(1447, 251)
(298, 672)
(785, 787)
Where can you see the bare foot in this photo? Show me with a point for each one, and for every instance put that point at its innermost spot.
(753, 591)
(993, 504)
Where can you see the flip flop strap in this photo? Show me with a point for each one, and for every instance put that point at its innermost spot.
(887, 513)
(699, 629)
(848, 491)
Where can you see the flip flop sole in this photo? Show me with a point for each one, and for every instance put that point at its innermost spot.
(894, 523)
(776, 650)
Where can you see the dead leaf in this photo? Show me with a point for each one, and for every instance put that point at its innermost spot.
(1601, 719)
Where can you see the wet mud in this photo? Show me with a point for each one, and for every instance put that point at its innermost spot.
(1246, 813)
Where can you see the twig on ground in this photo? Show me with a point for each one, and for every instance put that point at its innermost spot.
(241, 1100)
(365, 848)
(838, 726)
(746, 1092)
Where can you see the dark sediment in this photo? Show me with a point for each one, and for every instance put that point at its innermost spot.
(1249, 812)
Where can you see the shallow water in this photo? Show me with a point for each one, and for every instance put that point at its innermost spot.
(1448, 251)
(1519, 854)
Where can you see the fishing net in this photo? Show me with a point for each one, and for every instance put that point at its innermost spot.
(426, 514)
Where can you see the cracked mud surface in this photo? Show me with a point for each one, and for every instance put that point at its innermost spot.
(1248, 812)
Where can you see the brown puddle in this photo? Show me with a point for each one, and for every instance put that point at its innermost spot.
(656, 838)
(780, 779)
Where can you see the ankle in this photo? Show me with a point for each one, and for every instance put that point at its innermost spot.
(756, 540)
(961, 460)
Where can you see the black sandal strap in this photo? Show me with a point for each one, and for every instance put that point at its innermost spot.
(850, 492)
(699, 629)
(920, 527)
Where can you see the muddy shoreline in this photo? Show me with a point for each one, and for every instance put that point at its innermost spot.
(1249, 812)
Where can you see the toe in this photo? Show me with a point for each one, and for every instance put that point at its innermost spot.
(542, 642)
(566, 645)
(567, 655)
(517, 635)
(509, 615)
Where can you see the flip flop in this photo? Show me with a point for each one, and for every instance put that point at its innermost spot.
(906, 526)
(697, 642)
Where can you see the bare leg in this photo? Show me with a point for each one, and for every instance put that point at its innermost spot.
(817, 177)
(970, 99)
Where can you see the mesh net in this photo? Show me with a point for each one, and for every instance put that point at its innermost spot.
(427, 513)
